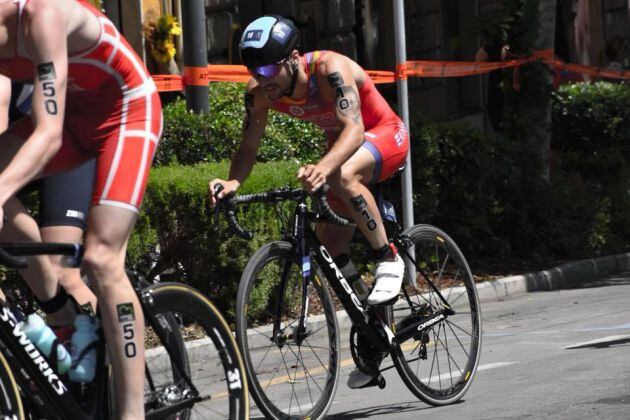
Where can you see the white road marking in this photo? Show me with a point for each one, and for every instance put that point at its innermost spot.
(479, 368)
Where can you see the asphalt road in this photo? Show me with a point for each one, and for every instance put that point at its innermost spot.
(527, 370)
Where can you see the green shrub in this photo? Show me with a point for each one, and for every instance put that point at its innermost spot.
(176, 219)
(591, 137)
(191, 138)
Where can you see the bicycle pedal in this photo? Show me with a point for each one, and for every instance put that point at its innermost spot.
(380, 381)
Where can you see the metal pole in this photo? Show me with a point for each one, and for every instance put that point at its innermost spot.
(403, 106)
(195, 54)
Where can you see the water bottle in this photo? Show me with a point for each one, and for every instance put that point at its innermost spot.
(84, 366)
(351, 274)
(43, 338)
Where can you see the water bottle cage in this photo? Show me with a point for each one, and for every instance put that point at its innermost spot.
(75, 362)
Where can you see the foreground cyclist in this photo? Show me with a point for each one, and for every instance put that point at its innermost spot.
(366, 141)
(92, 98)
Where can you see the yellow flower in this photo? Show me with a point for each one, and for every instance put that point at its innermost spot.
(176, 29)
(160, 36)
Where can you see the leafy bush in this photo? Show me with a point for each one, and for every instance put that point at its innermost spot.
(191, 138)
(592, 138)
(177, 220)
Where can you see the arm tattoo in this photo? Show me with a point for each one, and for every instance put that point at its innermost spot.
(126, 317)
(46, 74)
(335, 80)
(46, 71)
(247, 120)
(348, 103)
(249, 100)
(249, 104)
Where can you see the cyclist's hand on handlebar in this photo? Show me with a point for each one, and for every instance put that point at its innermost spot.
(312, 177)
(229, 188)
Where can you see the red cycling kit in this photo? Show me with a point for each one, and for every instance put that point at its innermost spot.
(113, 112)
(385, 134)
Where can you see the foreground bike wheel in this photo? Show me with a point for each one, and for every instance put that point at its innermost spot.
(10, 401)
(207, 354)
(439, 364)
(291, 374)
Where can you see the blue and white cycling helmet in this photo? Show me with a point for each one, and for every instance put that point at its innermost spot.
(267, 41)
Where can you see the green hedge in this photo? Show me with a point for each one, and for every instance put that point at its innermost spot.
(188, 138)
(176, 217)
(591, 138)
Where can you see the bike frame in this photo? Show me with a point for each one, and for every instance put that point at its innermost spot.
(34, 368)
(306, 243)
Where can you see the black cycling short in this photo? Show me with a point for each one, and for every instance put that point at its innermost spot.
(64, 199)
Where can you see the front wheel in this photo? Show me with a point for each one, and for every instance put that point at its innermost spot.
(438, 364)
(292, 372)
(192, 360)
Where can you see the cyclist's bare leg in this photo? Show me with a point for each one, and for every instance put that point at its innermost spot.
(348, 183)
(108, 232)
(20, 226)
(335, 238)
(69, 278)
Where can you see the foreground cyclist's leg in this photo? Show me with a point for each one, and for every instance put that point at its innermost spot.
(64, 202)
(349, 184)
(20, 226)
(109, 228)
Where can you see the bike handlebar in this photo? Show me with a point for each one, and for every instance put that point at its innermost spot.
(274, 196)
(12, 253)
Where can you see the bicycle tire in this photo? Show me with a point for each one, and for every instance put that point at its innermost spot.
(257, 305)
(10, 400)
(441, 376)
(210, 356)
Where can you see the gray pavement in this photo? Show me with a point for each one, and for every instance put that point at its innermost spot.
(555, 346)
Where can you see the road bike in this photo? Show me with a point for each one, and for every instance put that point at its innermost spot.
(286, 319)
(193, 368)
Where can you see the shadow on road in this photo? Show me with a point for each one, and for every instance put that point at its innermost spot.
(380, 411)
(614, 280)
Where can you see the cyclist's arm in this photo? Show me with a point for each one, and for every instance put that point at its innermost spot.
(338, 85)
(254, 123)
(45, 39)
(5, 101)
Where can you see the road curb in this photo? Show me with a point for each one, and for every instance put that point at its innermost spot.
(562, 276)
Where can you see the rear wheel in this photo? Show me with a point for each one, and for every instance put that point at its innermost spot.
(438, 365)
(292, 373)
(10, 401)
(193, 367)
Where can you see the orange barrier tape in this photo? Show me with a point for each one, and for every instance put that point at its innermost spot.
(458, 68)
(168, 83)
(593, 71)
(200, 76)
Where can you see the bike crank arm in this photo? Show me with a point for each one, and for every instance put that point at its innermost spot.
(165, 412)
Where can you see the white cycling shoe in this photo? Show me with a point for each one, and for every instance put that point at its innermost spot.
(388, 280)
(358, 380)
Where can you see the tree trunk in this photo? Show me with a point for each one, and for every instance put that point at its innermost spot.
(541, 132)
(589, 32)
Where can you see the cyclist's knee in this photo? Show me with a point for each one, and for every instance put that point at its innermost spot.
(101, 263)
(345, 183)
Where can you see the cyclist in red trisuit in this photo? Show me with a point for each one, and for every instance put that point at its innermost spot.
(92, 98)
(366, 141)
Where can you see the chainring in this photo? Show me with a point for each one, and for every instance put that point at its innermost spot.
(366, 356)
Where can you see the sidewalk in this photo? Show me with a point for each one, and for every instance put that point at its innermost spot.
(562, 276)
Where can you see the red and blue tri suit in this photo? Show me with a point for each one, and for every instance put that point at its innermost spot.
(385, 134)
